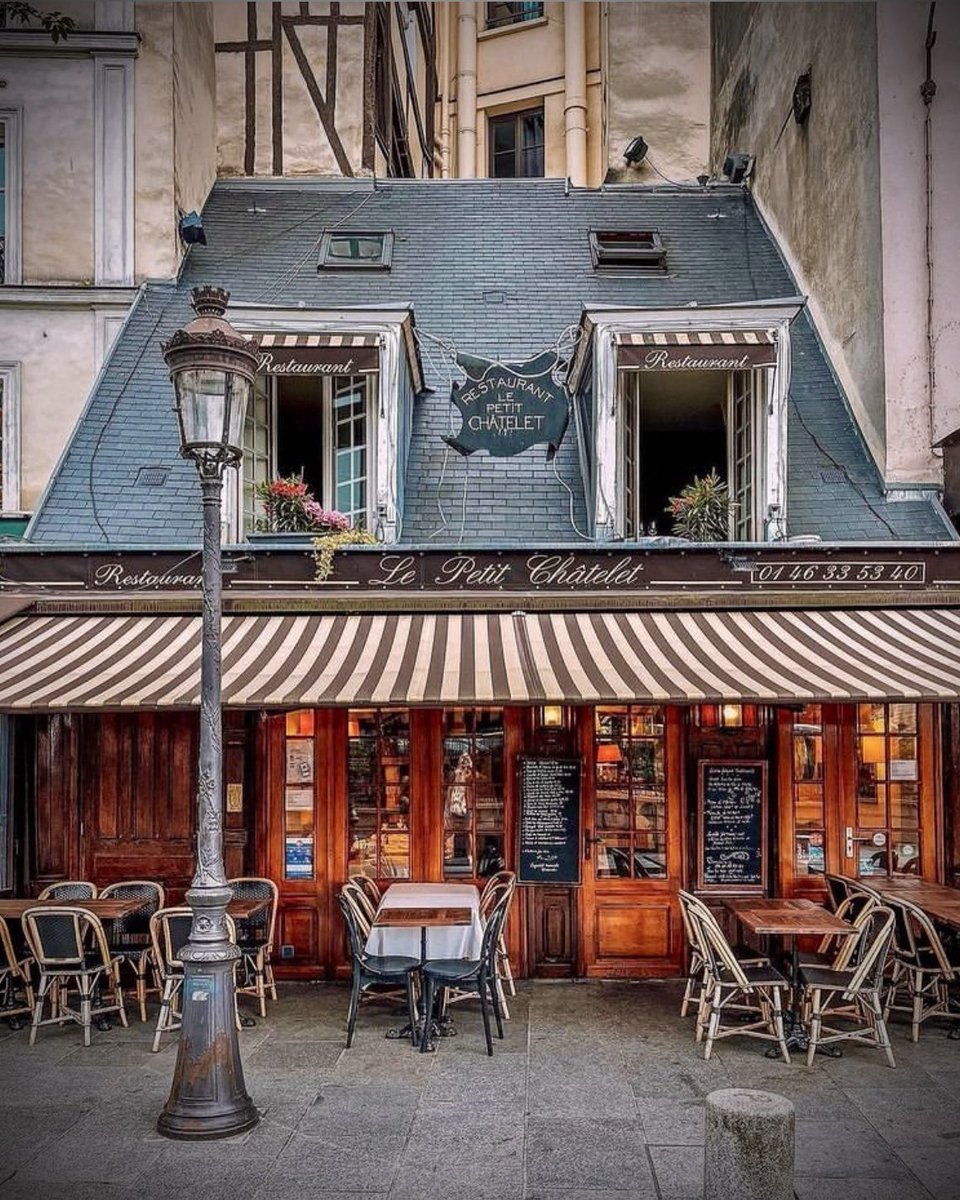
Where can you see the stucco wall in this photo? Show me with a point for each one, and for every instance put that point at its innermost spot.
(194, 104)
(658, 87)
(56, 99)
(156, 245)
(818, 184)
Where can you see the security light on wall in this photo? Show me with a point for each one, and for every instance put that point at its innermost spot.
(636, 151)
(738, 167)
(191, 229)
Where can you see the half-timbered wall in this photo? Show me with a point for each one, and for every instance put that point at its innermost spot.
(325, 88)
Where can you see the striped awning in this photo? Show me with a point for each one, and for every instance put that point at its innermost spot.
(152, 661)
(315, 340)
(318, 353)
(716, 349)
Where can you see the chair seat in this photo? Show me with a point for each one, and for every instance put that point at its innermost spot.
(760, 975)
(747, 954)
(826, 977)
(389, 964)
(452, 969)
(129, 951)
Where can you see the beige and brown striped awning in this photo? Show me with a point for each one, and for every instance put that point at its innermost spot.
(715, 349)
(152, 661)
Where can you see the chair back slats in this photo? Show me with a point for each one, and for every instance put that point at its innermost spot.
(491, 889)
(870, 954)
(134, 929)
(67, 938)
(360, 902)
(70, 890)
(916, 934)
(369, 886)
(494, 926)
(355, 934)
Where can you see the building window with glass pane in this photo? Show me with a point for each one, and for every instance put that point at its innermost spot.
(516, 145)
(888, 790)
(473, 844)
(299, 830)
(631, 833)
(808, 803)
(499, 15)
(378, 792)
(319, 428)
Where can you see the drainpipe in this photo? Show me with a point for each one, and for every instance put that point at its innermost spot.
(467, 92)
(446, 83)
(575, 98)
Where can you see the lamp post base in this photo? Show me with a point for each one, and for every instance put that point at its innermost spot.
(208, 1097)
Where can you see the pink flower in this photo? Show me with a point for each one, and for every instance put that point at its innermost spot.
(328, 518)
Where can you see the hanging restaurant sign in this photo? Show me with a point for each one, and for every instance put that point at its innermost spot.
(509, 407)
(714, 350)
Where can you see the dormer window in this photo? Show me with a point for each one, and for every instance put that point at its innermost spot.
(355, 250)
(639, 251)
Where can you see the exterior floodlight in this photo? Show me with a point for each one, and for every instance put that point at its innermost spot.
(636, 151)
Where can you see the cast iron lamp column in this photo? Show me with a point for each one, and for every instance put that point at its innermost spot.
(212, 370)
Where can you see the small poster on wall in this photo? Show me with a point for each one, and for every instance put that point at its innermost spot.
(298, 858)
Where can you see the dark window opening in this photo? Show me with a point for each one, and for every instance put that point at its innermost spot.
(516, 145)
(639, 250)
(356, 250)
(499, 15)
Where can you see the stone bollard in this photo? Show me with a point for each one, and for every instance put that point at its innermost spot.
(749, 1146)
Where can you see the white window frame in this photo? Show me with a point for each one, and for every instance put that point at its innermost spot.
(600, 330)
(11, 119)
(399, 373)
(10, 457)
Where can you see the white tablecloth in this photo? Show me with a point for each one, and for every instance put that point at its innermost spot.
(444, 941)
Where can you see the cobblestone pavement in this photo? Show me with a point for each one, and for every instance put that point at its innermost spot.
(596, 1093)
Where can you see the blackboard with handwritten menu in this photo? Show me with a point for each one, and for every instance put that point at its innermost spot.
(732, 826)
(549, 820)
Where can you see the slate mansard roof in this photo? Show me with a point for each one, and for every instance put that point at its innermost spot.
(494, 268)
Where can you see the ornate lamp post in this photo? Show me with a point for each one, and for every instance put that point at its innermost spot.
(212, 370)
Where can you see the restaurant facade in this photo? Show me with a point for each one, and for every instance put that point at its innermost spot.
(506, 383)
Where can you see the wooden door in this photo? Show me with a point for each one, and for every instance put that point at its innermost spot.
(890, 801)
(634, 840)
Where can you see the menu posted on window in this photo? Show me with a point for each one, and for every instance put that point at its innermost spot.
(732, 826)
(549, 820)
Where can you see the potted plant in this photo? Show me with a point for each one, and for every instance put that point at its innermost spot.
(702, 511)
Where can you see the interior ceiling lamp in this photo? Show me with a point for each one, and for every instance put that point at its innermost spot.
(551, 716)
(636, 151)
(802, 98)
(609, 752)
(737, 166)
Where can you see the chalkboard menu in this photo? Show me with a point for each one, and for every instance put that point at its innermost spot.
(549, 820)
(732, 826)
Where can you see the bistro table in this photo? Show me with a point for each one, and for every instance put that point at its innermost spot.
(451, 914)
(106, 910)
(938, 901)
(790, 920)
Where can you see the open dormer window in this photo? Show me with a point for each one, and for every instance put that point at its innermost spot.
(355, 250)
(640, 251)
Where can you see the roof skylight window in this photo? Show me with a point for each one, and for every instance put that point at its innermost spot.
(641, 251)
(355, 250)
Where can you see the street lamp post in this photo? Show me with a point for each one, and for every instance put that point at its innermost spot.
(212, 369)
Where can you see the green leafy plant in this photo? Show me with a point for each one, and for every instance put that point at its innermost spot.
(55, 23)
(326, 544)
(290, 507)
(703, 509)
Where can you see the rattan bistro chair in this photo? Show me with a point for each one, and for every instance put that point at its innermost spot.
(255, 937)
(921, 966)
(69, 944)
(69, 891)
(488, 898)
(360, 905)
(852, 994)
(15, 965)
(129, 936)
(369, 886)
(697, 975)
(478, 976)
(370, 970)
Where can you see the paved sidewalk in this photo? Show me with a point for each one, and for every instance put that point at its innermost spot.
(596, 1094)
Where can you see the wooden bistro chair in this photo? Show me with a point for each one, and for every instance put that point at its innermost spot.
(488, 898)
(129, 937)
(255, 937)
(369, 886)
(852, 994)
(15, 966)
(169, 933)
(479, 976)
(697, 975)
(921, 967)
(69, 891)
(369, 970)
(69, 944)
(735, 986)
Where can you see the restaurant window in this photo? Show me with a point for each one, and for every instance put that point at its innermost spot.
(299, 825)
(317, 427)
(499, 15)
(516, 145)
(473, 833)
(631, 824)
(680, 425)
(887, 837)
(378, 792)
(808, 801)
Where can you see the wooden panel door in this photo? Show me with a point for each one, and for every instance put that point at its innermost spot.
(633, 842)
